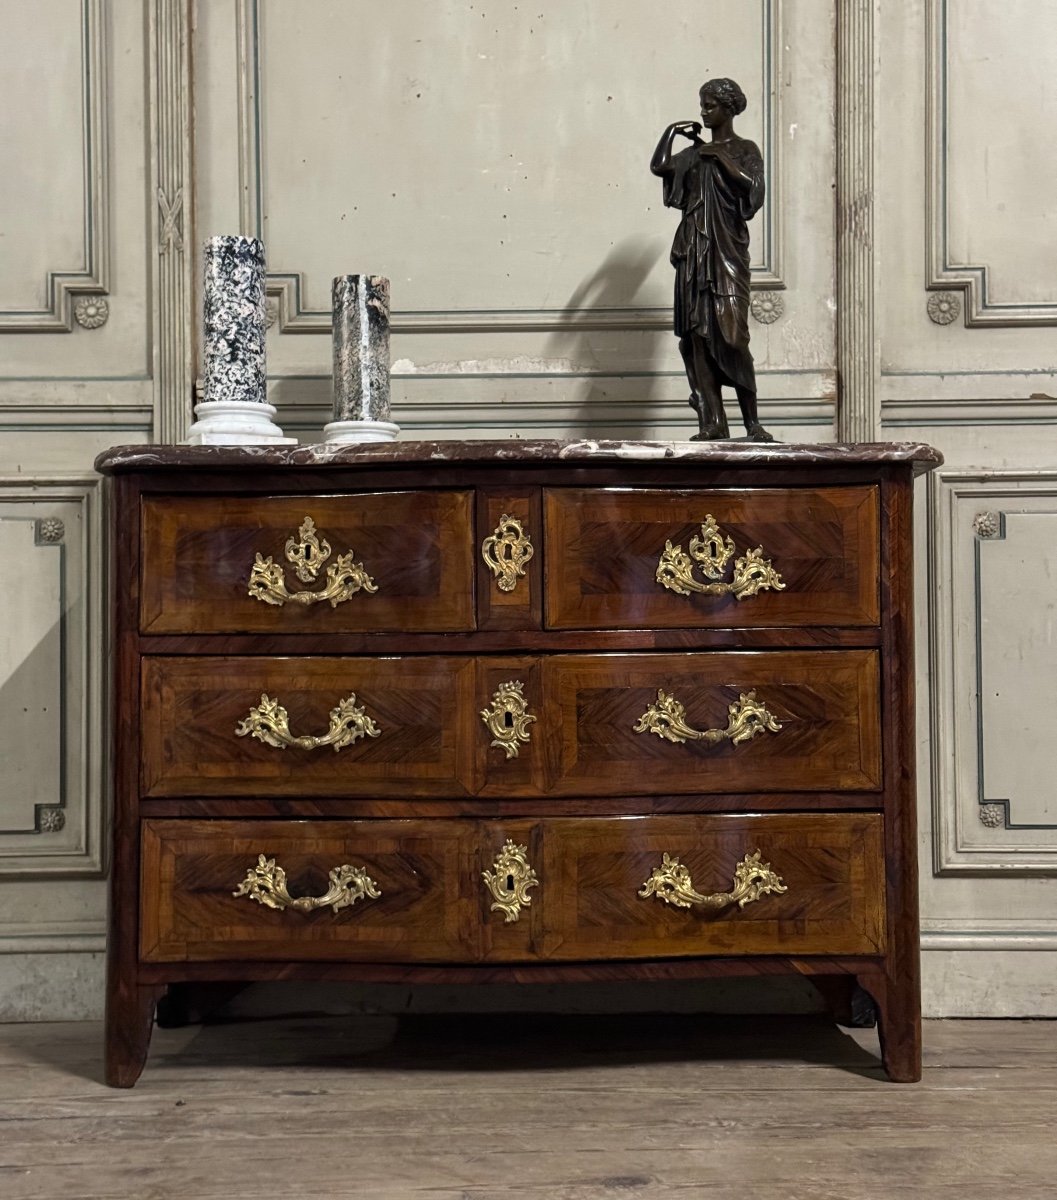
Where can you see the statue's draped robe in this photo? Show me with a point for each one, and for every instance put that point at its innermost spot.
(711, 251)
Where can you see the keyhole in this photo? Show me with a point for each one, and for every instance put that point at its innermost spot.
(509, 882)
(508, 720)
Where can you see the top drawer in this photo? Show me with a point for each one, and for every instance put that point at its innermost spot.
(372, 562)
(660, 559)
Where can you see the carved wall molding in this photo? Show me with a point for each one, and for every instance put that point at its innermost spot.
(47, 937)
(1038, 936)
(993, 815)
(943, 308)
(171, 220)
(288, 287)
(93, 277)
(969, 512)
(91, 312)
(858, 354)
(767, 307)
(63, 835)
(941, 272)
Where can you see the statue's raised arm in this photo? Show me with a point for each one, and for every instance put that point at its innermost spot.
(662, 156)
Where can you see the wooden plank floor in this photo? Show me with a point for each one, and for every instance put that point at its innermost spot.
(508, 1107)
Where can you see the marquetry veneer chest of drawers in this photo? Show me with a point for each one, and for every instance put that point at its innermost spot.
(513, 711)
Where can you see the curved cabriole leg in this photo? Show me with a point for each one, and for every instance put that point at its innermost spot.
(129, 1022)
(898, 1025)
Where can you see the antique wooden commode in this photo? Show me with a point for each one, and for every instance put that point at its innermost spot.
(513, 711)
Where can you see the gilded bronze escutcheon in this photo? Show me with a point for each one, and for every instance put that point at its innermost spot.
(711, 551)
(508, 717)
(509, 881)
(307, 554)
(506, 552)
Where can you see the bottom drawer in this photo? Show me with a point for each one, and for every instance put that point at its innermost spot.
(787, 884)
(570, 889)
(267, 890)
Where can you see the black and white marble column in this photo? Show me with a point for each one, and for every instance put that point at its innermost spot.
(235, 409)
(361, 361)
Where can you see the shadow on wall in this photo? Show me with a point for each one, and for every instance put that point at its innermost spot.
(615, 386)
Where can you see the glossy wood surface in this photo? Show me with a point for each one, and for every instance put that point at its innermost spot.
(193, 706)
(434, 906)
(582, 738)
(825, 701)
(604, 544)
(832, 865)
(427, 909)
(415, 545)
(834, 780)
(522, 606)
(898, 991)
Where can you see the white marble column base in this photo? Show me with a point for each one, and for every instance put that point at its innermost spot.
(348, 432)
(236, 423)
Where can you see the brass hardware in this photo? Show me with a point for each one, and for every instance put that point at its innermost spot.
(266, 883)
(711, 552)
(507, 551)
(307, 556)
(671, 883)
(746, 717)
(269, 723)
(509, 718)
(509, 881)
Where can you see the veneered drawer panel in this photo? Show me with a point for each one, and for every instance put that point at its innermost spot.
(193, 707)
(604, 547)
(414, 548)
(809, 721)
(425, 908)
(830, 864)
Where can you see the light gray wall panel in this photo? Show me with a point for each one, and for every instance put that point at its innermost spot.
(53, 59)
(994, 659)
(51, 664)
(987, 182)
(498, 173)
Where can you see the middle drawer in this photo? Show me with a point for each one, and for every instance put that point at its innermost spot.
(556, 725)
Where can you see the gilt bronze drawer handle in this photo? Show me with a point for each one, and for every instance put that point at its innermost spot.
(508, 718)
(711, 552)
(671, 883)
(746, 717)
(507, 551)
(307, 556)
(509, 881)
(266, 883)
(269, 723)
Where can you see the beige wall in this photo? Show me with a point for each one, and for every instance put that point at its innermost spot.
(491, 159)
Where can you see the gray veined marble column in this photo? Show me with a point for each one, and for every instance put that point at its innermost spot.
(361, 361)
(235, 410)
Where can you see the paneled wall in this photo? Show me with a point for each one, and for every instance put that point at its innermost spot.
(492, 160)
(968, 332)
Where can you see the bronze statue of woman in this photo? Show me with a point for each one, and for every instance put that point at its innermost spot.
(719, 187)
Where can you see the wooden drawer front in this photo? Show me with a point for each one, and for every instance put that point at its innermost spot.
(825, 701)
(415, 548)
(830, 864)
(425, 910)
(604, 547)
(192, 708)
